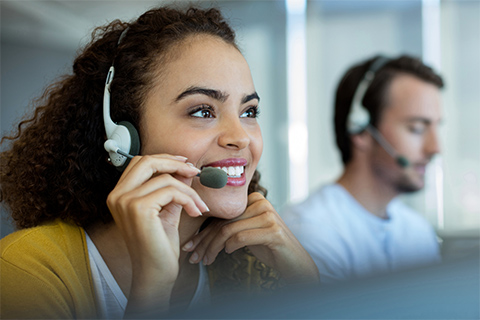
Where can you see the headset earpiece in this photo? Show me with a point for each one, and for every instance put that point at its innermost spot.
(134, 142)
(122, 144)
(123, 140)
(359, 118)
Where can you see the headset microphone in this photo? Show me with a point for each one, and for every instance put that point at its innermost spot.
(213, 177)
(111, 146)
(358, 118)
(401, 160)
(209, 176)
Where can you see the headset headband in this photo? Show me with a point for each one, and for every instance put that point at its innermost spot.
(123, 141)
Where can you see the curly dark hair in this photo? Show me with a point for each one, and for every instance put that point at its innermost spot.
(375, 99)
(56, 165)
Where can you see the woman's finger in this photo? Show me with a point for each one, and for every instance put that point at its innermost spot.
(250, 237)
(135, 160)
(201, 241)
(229, 231)
(254, 197)
(148, 166)
(166, 180)
(209, 242)
(156, 201)
(198, 238)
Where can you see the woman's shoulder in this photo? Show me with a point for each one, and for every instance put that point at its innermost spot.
(44, 241)
(45, 273)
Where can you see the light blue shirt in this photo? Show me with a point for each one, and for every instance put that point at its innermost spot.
(348, 242)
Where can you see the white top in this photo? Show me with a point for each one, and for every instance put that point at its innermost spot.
(347, 242)
(110, 297)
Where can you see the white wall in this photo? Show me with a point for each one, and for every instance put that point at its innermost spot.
(461, 143)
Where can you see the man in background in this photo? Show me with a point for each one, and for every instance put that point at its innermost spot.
(387, 113)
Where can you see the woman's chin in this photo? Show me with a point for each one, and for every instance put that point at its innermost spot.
(227, 211)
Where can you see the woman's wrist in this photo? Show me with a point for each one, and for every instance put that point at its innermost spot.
(149, 299)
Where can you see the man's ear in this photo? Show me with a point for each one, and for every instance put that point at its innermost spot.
(361, 141)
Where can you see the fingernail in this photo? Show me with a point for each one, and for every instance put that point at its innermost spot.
(187, 246)
(208, 210)
(191, 165)
(198, 211)
(205, 261)
(193, 258)
(181, 158)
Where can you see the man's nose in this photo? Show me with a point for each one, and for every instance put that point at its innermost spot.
(432, 143)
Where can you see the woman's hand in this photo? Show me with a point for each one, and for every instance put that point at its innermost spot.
(266, 235)
(146, 204)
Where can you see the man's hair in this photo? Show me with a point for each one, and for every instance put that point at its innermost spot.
(375, 98)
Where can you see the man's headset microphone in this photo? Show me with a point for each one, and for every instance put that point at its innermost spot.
(358, 118)
(123, 140)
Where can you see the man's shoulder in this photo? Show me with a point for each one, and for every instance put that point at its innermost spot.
(322, 200)
(321, 215)
(402, 212)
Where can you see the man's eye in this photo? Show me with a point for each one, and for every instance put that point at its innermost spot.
(252, 112)
(417, 129)
(203, 112)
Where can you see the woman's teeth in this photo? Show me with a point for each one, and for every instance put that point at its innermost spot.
(233, 172)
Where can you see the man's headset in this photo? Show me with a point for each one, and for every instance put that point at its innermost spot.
(358, 118)
(123, 141)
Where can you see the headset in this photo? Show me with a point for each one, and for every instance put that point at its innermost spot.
(123, 141)
(358, 118)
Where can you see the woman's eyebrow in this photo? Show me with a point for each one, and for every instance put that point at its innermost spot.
(250, 97)
(215, 94)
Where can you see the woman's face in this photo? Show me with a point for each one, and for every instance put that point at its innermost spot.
(203, 106)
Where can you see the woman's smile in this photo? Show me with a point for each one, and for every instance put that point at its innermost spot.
(235, 169)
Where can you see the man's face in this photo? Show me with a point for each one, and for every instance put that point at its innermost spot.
(409, 123)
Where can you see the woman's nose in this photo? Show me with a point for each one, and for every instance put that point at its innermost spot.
(233, 135)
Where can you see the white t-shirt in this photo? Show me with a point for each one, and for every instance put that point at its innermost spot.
(348, 242)
(110, 297)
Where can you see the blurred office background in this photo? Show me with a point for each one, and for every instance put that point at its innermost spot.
(297, 51)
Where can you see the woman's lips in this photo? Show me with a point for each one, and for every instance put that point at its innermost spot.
(235, 169)
(237, 182)
(231, 162)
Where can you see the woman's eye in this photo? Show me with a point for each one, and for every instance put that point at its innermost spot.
(203, 112)
(251, 112)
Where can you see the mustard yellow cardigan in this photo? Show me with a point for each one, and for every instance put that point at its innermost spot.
(45, 273)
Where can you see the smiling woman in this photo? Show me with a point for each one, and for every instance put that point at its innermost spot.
(98, 242)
